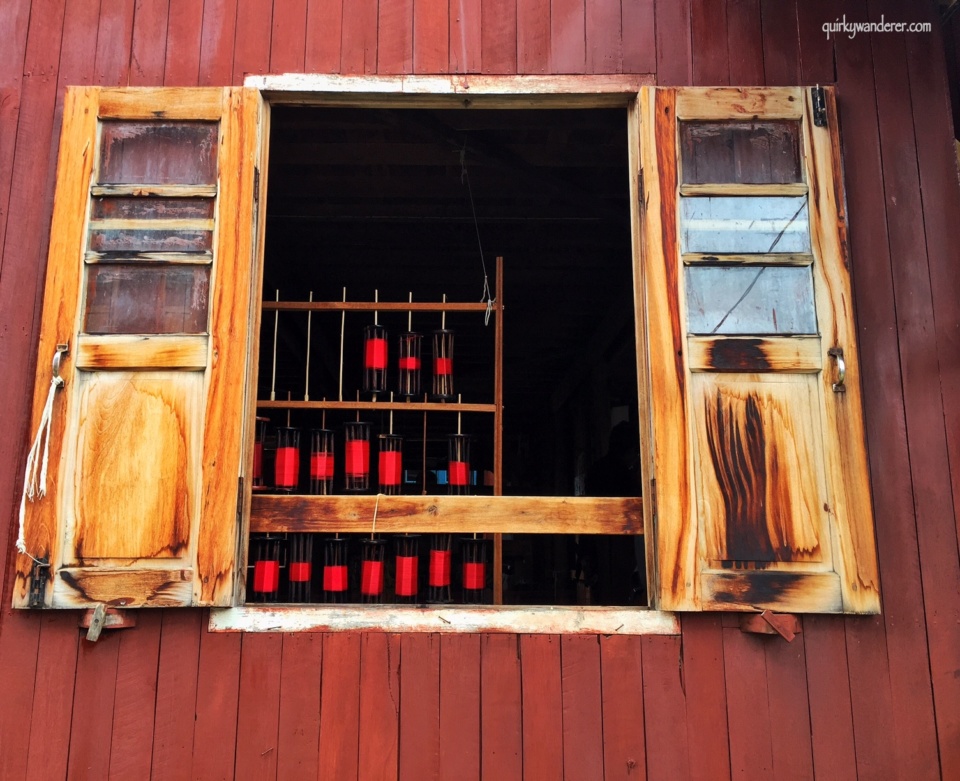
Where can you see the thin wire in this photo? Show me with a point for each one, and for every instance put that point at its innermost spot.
(465, 177)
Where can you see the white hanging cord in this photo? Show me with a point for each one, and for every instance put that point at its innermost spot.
(465, 177)
(35, 478)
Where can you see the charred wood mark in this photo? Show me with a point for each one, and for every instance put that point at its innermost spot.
(763, 588)
(739, 355)
(738, 446)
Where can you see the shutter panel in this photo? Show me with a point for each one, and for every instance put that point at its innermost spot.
(761, 483)
(148, 280)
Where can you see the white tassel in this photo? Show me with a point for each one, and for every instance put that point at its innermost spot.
(35, 484)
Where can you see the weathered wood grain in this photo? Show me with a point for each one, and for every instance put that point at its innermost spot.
(465, 40)
(569, 515)
(624, 752)
(781, 49)
(218, 693)
(749, 727)
(340, 705)
(379, 724)
(259, 705)
(789, 706)
(114, 39)
(420, 706)
(744, 42)
(148, 49)
(459, 729)
(93, 702)
(567, 36)
(501, 714)
(674, 55)
(580, 685)
(603, 37)
(324, 26)
(708, 25)
(498, 36)
(395, 32)
(150, 352)
(217, 38)
(288, 37)
(533, 36)
(669, 745)
(184, 36)
(755, 355)
(639, 36)
(542, 707)
(251, 47)
(358, 52)
(431, 36)
(298, 729)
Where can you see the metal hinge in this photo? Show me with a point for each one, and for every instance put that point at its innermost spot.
(239, 500)
(653, 500)
(819, 99)
(256, 185)
(38, 581)
(640, 190)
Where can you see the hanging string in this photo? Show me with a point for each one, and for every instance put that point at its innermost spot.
(465, 178)
(35, 478)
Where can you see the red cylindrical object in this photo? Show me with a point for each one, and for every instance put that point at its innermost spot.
(474, 575)
(443, 364)
(356, 464)
(287, 464)
(375, 359)
(266, 577)
(439, 568)
(371, 578)
(335, 577)
(300, 571)
(407, 566)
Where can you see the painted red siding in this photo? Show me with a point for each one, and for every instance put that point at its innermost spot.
(849, 698)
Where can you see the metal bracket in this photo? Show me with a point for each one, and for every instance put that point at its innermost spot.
(58, 356)
(38, 581)
(839, 386)
(819, 99)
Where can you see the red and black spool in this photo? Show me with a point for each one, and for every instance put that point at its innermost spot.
(409, 364)
(439, 571)
(321, 461)
(443, 364)
(257, 480)
(458, 464)
(266, 551)
(375, 358)
(372, 564)
(406, 567)
(300, 568)
(286, 467)
(356, 460)
(390, 464)
(336, 575)
(475, 558)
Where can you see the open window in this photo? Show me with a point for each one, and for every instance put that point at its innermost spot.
(705, 303)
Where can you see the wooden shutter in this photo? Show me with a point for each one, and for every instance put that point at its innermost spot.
(760, 481)
(148, 281)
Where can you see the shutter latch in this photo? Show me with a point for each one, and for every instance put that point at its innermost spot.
(38, 581)
(819, 100)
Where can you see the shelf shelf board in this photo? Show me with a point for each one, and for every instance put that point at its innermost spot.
(455, 514)
(371, 306)
(396, 406)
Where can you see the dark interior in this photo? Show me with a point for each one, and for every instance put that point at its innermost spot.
(400, 201)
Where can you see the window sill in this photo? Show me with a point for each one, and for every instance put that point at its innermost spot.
(393, 618)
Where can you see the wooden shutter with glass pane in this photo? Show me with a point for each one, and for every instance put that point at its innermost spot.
(148, 282)
(761, 483)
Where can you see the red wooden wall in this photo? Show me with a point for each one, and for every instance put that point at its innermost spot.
(866, 698)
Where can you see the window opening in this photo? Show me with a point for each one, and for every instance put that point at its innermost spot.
(371, 205)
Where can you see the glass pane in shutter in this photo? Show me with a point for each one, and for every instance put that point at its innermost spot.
(141, 208)
(741, 224)
(158, 152)
(740, 152)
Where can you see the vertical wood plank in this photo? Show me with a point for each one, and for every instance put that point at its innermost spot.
(603, 37)
(395, 36)
(114, 40)
(639, 33)
(340, 705)
(218, 692)
(28, 207)
(936, 155)
(500, 711)
(177, 670)
(131, 744)
(789, 705)
(19, 652)
(816, 50)
(258, 714)
(542, 707)
(184, 34)
(828, 689)
(498, 36)
(674, 57)
(624, 754)
(664, 710)
(14, 20)
(251, 48)
(708, 30)
(431, 36)
(288, 39)
(744, 42)
(148, 48)
(924, 410)
(781, 49)
(298, 734)
(217, 37)
(567, 36)
(49, 746)
(533, 36)
(582, 719)
(419, 706)
(748, 717)
(324, 27)
(93, 700)
(460, 707)
(703, 676)
(379, 706)
(358, 47)
(465, 40)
